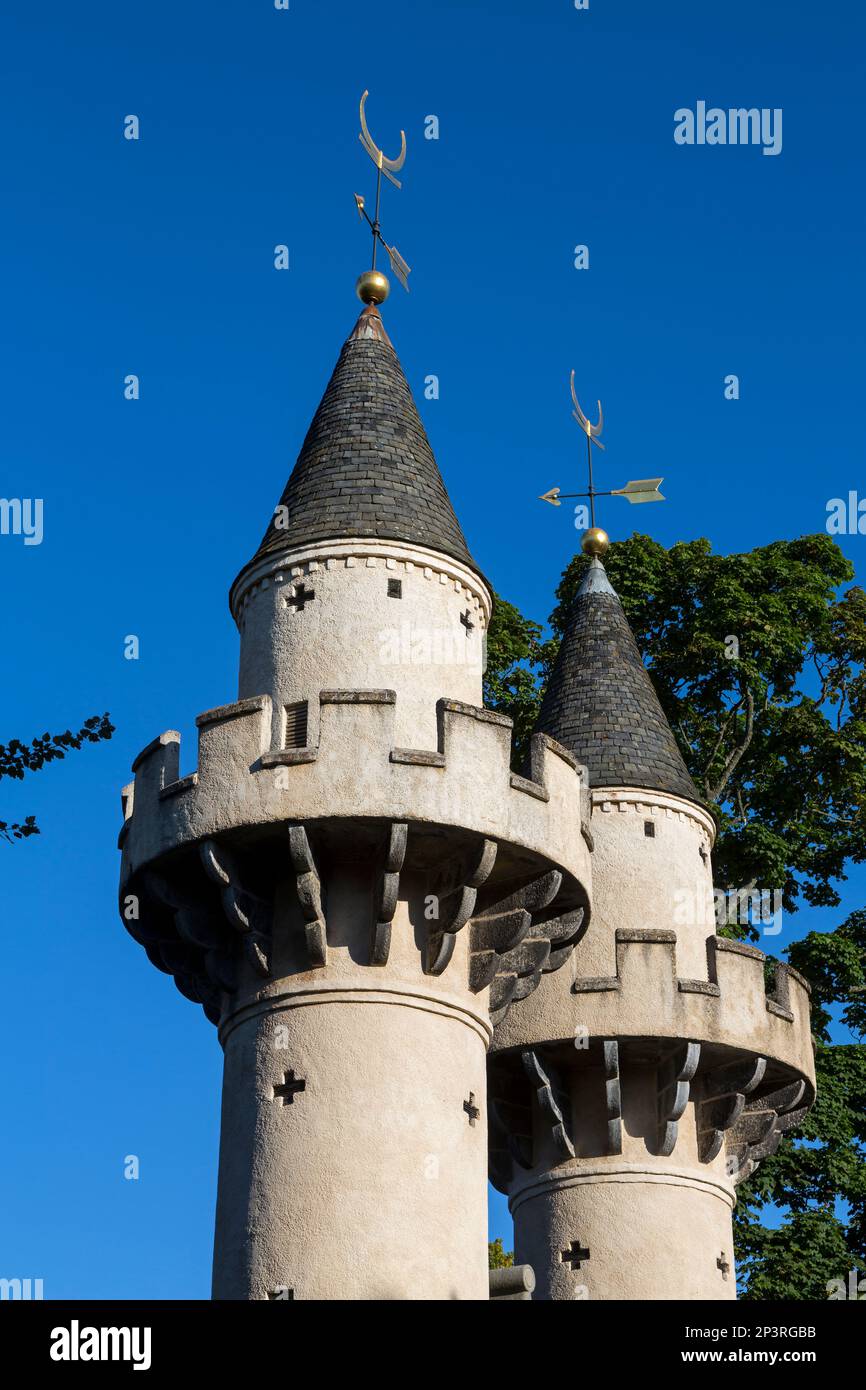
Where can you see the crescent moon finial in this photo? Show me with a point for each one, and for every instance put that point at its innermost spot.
(593, 431)
(372, 287)
(379, 158)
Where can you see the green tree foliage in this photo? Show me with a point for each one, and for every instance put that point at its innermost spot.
(818, 1178)
(497, 1258)
(759, 665)
(517, 659)
(17, 758)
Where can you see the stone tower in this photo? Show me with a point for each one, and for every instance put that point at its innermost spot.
(353, 883)
(631, 1093)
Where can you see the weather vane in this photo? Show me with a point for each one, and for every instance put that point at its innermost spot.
(373, 286)
(595, 541)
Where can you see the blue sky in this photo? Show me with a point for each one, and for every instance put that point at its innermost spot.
(155, 257)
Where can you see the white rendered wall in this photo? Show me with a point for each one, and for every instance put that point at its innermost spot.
(352, 636)
(650, 1235)
(649, 882)
(655, 1226)
(372, 1183)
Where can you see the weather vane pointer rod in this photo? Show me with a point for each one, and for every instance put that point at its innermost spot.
(595, 541)
(373, 286)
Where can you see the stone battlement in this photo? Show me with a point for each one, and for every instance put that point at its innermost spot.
(646, 998)
(356, 772)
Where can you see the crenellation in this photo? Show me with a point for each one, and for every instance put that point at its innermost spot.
(236, 752)
(162, 753)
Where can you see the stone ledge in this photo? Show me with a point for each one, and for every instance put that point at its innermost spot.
(183, 784)
(650, 934)
(595, 984)
(560, 751)
(289, 757)
(234, 711)
(779, 1010)
(417, 757)
(523, 784)
(483, 716)
(357, 697)
(739, 948)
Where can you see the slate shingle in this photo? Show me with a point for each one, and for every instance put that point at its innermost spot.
(366, 468)
(600, 702)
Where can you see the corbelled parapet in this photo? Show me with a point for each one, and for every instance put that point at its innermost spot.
(517, 861)
(625, 1109)
(244, 781)
(355, 917)
(691, 1031)
(629, 1095)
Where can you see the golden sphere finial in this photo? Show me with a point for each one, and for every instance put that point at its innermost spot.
(372, 287)
(595, 541)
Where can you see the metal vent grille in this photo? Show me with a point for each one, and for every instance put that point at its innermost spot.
(296, 725)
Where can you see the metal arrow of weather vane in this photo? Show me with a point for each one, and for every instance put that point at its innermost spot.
(373, 286)
(637, 490)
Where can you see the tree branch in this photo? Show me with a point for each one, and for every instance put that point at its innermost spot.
(734, 758)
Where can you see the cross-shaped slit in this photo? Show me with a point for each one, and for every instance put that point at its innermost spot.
(289, 1087)
(574, 1255)
(471, 1108)
(300, 596)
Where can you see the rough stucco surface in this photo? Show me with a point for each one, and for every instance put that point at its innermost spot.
(426, 644)
(650, 881)
(649, 1237)
(372, 1183)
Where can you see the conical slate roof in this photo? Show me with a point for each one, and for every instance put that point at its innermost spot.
(366, 468)
(600, 702)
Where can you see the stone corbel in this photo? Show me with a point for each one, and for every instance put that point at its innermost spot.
(613, 1096)
(723, 1101)
(457, 904)
(765, 1120)
(554, 1102)
(309, 890)
(387, 892)
(509, 950)
(509, 1127)
(563, 934)
(249, 915)
(675, 1074)
(200, 960)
